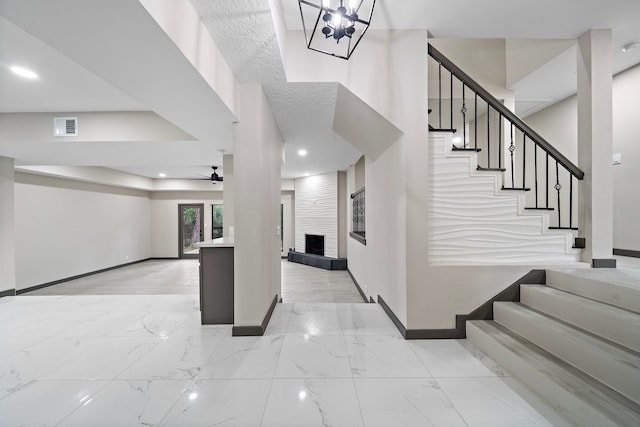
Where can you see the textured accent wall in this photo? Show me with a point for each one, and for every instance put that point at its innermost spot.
(473, 222)
(317, 210)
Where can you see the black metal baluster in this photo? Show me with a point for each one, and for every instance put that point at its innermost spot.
(524, 158)
(451, 101)
(570, 200)
(475, 122)
(512, 148)
(558, 187)
(500, 141)
(488, 136)
(440, 95)
(463, 110)
(547, 180)
(535, 170)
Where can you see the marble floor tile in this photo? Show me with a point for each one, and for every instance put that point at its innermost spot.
(11, 345)
(174, 358)
(367, 322)
(485, 402)
(193, 327)
(127, 403)
(314, 306)
(360, 306)
(383, 356)
(228, 403)
(450, 358)
(278, 322)
(313, 356)
(312, 402)
(405, 402)
(33, 361)
(243, 357)
(153, 324)
(107, 358)
(43, 403)
(314, 323)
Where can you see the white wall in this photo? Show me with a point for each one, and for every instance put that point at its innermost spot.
(558, 124)
(7, 225)
(316, 205)
(288, 221)
(164, 218)
(66, 228)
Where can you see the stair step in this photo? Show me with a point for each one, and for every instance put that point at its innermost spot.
(474, 150)
(540, 209)
(481, 169)
(613, 365)
(578, 397)
(516, 188)
(611, 286)
(615, 324)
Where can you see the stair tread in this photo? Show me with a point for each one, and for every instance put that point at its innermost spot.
(611, 286)
(571, 333)
(596, 395)
(613, 323)
(587, 302)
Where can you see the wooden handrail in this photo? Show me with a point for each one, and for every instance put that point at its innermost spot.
(508, 114)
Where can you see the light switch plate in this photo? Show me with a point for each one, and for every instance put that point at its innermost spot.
(617, 158)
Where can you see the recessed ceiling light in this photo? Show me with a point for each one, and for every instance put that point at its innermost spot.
(162, 175)
(630, 46)
(302, 152)
(306, 174)
(23, 72)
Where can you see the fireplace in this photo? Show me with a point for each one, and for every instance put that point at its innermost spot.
(314, 244)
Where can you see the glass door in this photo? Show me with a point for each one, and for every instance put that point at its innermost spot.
(191, 229)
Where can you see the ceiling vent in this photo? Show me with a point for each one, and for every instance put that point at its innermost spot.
(65, 126)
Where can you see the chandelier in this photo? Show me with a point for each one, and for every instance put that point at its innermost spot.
(335, 27)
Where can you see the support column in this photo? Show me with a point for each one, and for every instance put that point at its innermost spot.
(228, 194)
(595, 146)
(7, 228)
(256, 186)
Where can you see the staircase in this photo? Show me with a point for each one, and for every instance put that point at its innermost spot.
(575, 342)
(473, 221)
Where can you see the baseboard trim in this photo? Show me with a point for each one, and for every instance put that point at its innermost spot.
(79, 276)
(364, 297)
(627, 252)
(371, 300)
(603, 263)
(392, 316)
(162, 258)
(8, 293)
(257, 330)
(484, 312)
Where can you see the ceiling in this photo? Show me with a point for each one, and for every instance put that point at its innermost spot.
(84, 65)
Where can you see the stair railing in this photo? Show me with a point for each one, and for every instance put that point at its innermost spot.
(488, 125)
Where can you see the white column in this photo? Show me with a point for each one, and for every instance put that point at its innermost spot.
(595, 139)
(228, 193)
(7, 227)
(256, 187)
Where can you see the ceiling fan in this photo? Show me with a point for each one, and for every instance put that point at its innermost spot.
(214, 178)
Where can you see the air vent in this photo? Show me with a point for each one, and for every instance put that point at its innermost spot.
(65, 126)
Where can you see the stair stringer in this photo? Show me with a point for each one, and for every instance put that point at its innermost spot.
(473, 222)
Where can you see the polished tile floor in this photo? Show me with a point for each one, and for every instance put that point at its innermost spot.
(130, 360)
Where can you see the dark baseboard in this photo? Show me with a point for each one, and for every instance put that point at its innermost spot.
(392, 316)
(258, 330)
(371, 300)
(8, 293)
(79, 276)
(355, 282)
(484, 312)
(627, 252)
(603, 263)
